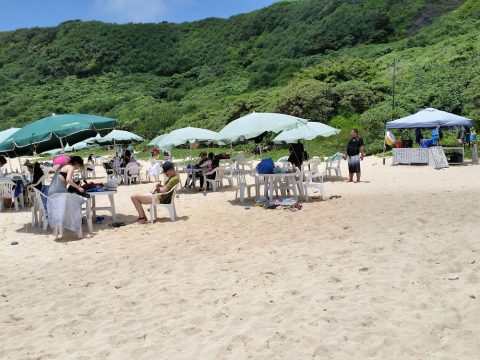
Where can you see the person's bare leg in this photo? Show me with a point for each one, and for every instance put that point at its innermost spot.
(358, 176)
(350, 177)
(138, 200)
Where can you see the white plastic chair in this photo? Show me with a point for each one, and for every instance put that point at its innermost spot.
(38, 209)
(316, 186)
(110, 171)
(90, 171)
(228, 173)
(333, 164)
(154, 172)
(133, 173)
(245, 163)
(30, 187)
(315, 173)
(7, 191)
(217, 181)
(170, 207)
(242, 185)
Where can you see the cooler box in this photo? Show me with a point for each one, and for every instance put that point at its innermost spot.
(426, 143)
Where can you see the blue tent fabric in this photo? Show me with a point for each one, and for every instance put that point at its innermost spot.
(429, 118)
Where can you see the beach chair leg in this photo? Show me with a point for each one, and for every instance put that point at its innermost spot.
(153, 214)
(45, 223)
(90, 225)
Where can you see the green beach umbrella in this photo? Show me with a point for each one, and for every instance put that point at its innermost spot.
(119, 137)
(183, 136)
(55, 132)
(309, 131)
(75, 147)
(156, 141)
(5, 134)
(79, 146)
(255, 124)
(53, 152)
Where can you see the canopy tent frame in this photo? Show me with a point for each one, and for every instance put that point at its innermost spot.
(429, 118)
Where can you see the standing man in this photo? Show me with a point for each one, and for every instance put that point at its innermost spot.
(355, 154)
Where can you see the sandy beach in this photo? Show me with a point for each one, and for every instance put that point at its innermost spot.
(389, 270)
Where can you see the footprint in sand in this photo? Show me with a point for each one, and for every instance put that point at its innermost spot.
(191, 331)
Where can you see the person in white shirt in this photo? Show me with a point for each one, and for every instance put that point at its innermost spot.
(3, 161)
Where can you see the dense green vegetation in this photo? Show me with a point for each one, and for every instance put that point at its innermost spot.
(325, 60)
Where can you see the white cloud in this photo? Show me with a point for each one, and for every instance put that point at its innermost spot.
(133, 10)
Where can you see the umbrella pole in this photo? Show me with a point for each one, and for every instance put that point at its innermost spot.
(20, 164)
(393, 108)
(384, 145)
(61, 144)
(10, 163)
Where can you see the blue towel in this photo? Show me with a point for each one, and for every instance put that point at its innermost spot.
(18, 187)
(44, 198)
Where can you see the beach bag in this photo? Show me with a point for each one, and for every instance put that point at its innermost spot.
(265, 166)
(113, 183)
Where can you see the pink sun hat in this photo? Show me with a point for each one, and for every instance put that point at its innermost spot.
(61, 159)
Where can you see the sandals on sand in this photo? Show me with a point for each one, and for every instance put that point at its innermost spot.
(117, 224)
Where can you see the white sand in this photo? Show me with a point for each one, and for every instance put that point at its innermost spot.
(389, 271)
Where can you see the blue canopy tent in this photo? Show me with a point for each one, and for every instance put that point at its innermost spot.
(429, 118)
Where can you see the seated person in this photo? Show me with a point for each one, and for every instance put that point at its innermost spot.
(37, 173)
(132, 164)
(205, 165)
(212, 163)
(3, 161)
(215, 159)
(117, 162)
(198, 174)
(154, 153)
(90, 159)
(109, 168)
(139, 200)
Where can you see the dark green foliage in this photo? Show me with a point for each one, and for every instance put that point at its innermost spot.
(325, 60)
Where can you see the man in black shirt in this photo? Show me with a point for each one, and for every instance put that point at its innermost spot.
(355, 155)
(297, 153)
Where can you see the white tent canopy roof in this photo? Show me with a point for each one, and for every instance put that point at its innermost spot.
(429, 118)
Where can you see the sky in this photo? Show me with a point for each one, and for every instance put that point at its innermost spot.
(16, 14)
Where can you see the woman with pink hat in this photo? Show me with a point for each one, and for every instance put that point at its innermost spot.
(64, 176)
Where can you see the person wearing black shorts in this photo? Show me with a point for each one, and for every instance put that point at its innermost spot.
(355, 155)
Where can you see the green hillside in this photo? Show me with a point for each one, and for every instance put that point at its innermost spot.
(326, 60)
